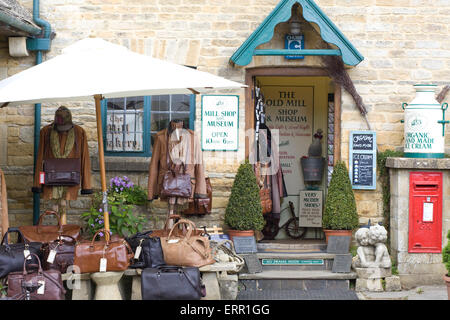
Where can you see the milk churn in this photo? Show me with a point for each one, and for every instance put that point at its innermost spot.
(424, 124)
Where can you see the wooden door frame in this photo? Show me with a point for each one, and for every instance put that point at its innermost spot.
(288, 72)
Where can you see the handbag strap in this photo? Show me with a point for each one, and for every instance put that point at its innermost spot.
(183, 221)
(20, 238)
(107, 239)
(51, 213)
(40, 271)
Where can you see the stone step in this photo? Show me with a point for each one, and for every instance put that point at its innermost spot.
(291, 246)
(290, 280)
(297, 275)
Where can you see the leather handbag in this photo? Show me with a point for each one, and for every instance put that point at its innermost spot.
(41, 233)
(58, 254)
(180, 230)
(147, 251)
(264, 192)
(114, 254)
(186, 250)
(41, 285)
(12, 255)
(175, 183)
(62, 172)
(172, 283)
(199, 205)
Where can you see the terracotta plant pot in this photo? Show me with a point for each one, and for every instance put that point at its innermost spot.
(240, 233)
(447, 282)
(329, 232)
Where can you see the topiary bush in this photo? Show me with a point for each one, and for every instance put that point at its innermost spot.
(244, 211)
(446, 254)
(340, 205)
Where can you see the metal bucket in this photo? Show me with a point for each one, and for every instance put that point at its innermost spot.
(312, 168)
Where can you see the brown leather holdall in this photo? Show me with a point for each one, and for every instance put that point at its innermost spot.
(43, 285)
(58, 254)
(89, 254)
(41, 233)
(186, 250)
(201, 206)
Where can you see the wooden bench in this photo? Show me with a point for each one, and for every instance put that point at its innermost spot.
(218, 282)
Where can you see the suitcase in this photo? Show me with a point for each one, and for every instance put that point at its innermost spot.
(172, 283)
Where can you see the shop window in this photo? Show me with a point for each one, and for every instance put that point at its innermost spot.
(130, 123)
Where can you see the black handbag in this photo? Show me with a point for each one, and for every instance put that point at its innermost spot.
(148, 251)
(172, 283)
(12, 256)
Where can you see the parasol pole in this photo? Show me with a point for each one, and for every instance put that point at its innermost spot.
(101, 159)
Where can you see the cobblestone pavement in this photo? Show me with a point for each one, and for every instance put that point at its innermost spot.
(322, 294)
(437, 292)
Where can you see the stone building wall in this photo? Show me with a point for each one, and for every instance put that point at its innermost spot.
(404, 42)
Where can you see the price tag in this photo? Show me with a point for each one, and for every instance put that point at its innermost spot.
(41, 289)
(51, 256)
(173, 241)
(138, 252)
(26, 254)
(42, 177)
(103, 262)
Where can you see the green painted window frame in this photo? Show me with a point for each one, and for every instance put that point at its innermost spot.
(147, 122)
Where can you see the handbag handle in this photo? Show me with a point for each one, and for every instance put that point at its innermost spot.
(183, 221)
(20, 238)
(50, 213)
(40, 271)
(98, 233)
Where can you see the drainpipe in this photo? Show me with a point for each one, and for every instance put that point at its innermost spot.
(39, 45)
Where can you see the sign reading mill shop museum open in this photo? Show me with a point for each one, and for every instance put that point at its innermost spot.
(220, 122)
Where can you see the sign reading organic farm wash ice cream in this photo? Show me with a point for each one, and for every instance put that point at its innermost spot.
(220, 122)
(424, 124)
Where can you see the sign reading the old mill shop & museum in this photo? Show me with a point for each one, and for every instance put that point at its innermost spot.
(363, 159)
(220, 122)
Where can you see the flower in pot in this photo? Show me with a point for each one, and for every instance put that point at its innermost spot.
(446, 261)
(340, 216)
(244, 212)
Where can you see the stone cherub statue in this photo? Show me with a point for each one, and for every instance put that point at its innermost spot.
(372, 252)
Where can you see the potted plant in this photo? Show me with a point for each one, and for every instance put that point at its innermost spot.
(123, 197)
(340, 216)
(446, 261)
(244, 212)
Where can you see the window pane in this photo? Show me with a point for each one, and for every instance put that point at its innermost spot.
(124, 124)
(180, 102)
(159, 121)
(160, 103)
(181, 116)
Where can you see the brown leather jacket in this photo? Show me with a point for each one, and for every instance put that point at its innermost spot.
(82, 152)
(158, 165)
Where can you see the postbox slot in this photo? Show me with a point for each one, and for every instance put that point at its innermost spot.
(425, 186)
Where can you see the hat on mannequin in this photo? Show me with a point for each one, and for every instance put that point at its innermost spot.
(63, 119)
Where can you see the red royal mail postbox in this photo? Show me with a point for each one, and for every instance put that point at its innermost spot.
(425, 212)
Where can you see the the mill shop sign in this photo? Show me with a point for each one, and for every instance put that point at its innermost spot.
(220, 122)
(424, 124)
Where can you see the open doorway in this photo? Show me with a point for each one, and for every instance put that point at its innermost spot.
(299, 103)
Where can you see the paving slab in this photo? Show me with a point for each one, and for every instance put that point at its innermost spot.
(438, 292)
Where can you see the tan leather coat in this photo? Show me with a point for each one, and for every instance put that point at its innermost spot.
(194, 165)
(81, 151)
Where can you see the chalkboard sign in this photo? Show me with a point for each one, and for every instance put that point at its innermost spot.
(363, 159)
(245, 245)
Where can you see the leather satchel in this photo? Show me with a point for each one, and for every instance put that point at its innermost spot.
(89, 254)
(147, 251)
(12, 255)
(186, 250)
(175, 183)
(41, 233)
(58, 254)
(264, 191)
(62, 172)
(172, 283)
(44, 285)
(179, 231)
(199, 205)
